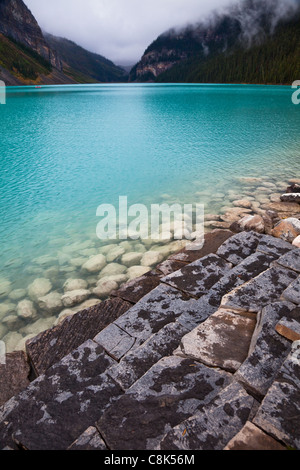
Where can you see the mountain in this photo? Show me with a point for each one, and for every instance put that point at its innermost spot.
(82, 65)
(18, 24)
(29, 56)
(21, 65)
(255, 41)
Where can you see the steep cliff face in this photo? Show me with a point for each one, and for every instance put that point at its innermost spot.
(241, 35)
(28, 56)
(18, 23)
(173, 47)
(85, 66)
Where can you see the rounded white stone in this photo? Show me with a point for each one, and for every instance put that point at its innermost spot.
(39, 288)
(137, 271)
(72, 298)
(95, 264)
(104, 288)
(151, 258)
(75, 284)
(25, 309)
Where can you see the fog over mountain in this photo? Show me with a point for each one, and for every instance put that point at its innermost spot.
(118, 29)
(253, 41)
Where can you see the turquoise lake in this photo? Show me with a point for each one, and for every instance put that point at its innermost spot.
(65, 150)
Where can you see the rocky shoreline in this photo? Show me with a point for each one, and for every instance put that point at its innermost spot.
(83, 275)
(205, 345)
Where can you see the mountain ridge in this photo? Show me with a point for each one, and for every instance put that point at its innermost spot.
(246, 44)
(83, 65)
(28, 56)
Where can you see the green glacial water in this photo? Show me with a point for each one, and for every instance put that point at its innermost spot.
(64, 150)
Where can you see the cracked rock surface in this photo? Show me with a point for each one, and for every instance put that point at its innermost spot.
(202, 353)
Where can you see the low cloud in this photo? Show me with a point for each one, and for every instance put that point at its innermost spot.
(120, 30)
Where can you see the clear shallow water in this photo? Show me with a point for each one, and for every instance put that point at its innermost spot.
(65, 150)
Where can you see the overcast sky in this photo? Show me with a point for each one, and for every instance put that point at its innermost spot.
(120, 30)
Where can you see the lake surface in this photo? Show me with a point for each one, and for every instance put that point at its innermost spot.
(65, 150)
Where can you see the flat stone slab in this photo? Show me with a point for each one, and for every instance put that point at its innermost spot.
(133, 291)
(197, 278)
(215, 425)
(270, 244)
(59, 406)
(279, 412)
(208, 304)
(239, 247)
(13, 376)
(223, 340)
(171, 391)
(260, 291)
(137, 362)
(169, 266)
(115, 341)
(267, 352)
(292, 293)
(289, 326)
(291, 260)
(212, 241)
(89, 440)
(52, 345)
(249, 268)
(253, 438)
(157, 309)
(202, 309)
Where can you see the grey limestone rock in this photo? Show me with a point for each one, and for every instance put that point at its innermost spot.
(161, 306)
(59, 406)
(279, 412)
(267, 352)
(139, 360)
(214, 425)
(89, 440)
(223, 340)
(171, 391)
(197, 278)
(260, 291)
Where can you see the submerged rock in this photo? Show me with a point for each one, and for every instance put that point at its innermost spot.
(104, 288)
(114, 254)
(3, 330)
(37, 327)
(137, 271)
(245, 203)
(151, 258)
(25, 309)
(72, 298)
(51, 303)
(11, 340)
(75, 284)
(95, 264)
(131, 259)
(39, 288)
(18, 294)
(113, 269)
(5, 287)
(6, 308)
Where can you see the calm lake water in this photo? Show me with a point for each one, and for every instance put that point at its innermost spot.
(65, 150)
